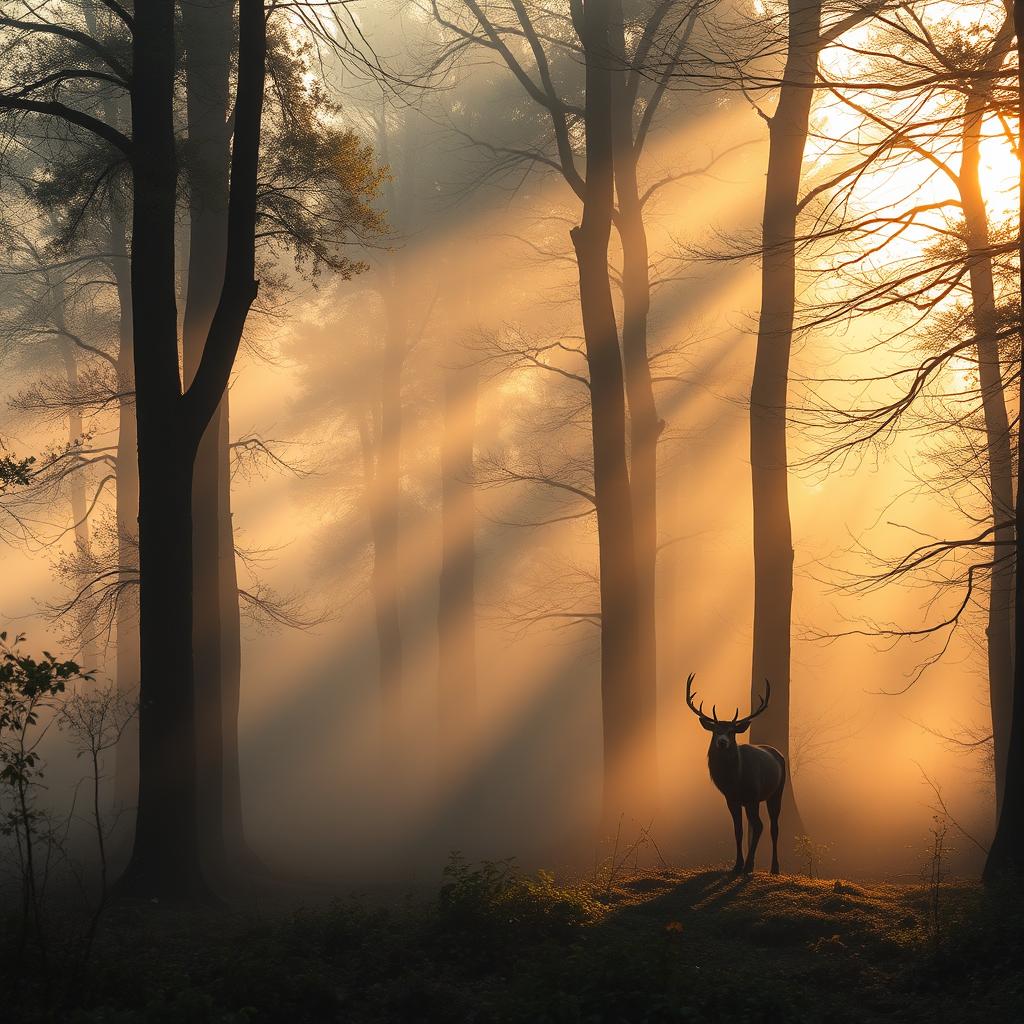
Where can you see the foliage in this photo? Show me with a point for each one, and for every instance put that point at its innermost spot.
(318, 179)
(28, 687)
(15, 472)
(665, 946)
(504, 909)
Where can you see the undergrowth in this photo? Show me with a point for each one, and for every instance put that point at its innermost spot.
(500, 944)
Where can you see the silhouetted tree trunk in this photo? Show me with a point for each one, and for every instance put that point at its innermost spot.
(1006, 855)
(235, 844)
(769, 464)
(622, 709)
(126, 511)
(77, 481)
(207, 33)
(456, 615)
(126, 774)
(997, 427)
(628, 643)
(644, 425)
(166, 854)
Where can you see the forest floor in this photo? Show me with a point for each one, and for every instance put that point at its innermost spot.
(498, 945)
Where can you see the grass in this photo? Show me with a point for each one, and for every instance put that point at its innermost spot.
(499, 945)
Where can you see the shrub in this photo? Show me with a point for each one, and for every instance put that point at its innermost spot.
(496, 904)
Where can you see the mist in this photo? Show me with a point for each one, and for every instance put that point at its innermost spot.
(392, 430)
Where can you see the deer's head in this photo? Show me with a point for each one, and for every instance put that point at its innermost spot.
(723, 732)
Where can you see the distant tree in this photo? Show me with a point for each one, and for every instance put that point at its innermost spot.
(456, 610)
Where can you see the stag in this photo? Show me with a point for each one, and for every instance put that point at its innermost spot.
(745, 774)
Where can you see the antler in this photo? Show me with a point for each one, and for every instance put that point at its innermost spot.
(690, 695)
(760, 707)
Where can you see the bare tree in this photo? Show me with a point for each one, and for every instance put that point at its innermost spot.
(1006, 855)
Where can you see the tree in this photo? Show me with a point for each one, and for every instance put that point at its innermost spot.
(1006, 855)
(944, 82)
(625, 714)
(207, 32)
(808, 33)
(642, 47)
(173, 420)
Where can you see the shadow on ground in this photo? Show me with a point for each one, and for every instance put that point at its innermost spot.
(498, 945)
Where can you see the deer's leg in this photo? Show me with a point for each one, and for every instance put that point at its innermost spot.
(756, 828)
(736, 810)
(774, 805)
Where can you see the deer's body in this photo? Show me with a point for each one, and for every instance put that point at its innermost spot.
(747, 775)
(747, 772)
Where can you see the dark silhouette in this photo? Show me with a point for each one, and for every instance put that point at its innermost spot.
(788, 130)
(746, 775)
(1006, 855)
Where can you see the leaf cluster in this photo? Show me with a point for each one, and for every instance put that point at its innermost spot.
(15, 472)
(318, 179)
(28, 687)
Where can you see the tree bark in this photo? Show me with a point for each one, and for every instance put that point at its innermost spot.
(999, 631)
(207, 33)
(166, 858)
(769, 463)
(621, 706)
(1006, 854)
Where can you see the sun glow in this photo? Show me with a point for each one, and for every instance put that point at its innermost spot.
(311, 711)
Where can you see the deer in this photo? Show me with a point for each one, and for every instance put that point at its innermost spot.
(746, 774)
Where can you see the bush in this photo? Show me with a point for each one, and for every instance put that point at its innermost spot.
(495, 904)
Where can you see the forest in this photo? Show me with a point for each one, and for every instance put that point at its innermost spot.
(511, 510)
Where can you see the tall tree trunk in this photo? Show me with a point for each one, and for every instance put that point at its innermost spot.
(1006, 855)
(126, 512)
(236, 845)
(207, 32)
(644, 425)
(769, 463)
(997, 425)
(126, 774)
(165, 858)
(456, 615)
(622, 707)
(88, 650)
